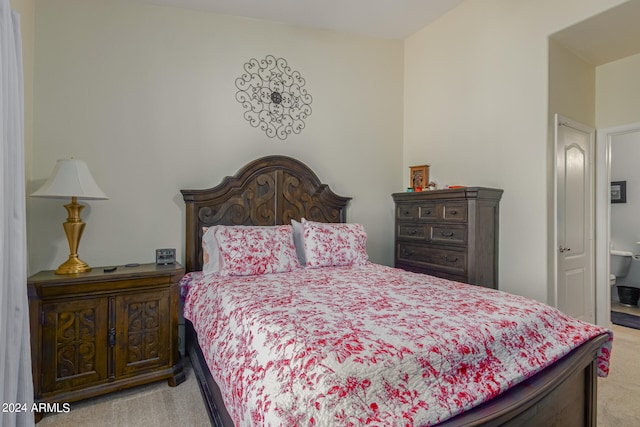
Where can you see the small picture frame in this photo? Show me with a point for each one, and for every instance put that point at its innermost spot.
(419, 177)
(619, 192)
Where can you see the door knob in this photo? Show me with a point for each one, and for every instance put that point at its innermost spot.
(563, 249)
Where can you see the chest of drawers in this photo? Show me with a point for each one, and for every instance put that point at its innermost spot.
(451, 234)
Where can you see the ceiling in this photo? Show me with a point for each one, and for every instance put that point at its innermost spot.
(389, 19)
(609, 36)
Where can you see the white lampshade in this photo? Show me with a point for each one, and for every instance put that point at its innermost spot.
(71, 178)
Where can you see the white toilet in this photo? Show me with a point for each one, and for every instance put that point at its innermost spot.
(619, 264)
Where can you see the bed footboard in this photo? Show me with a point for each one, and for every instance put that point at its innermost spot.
(564, 394)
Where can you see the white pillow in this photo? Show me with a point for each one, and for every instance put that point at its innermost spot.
(298, 241)
(210, 251)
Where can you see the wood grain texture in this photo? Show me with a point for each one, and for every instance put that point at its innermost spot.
(451, 234)
(94, 333)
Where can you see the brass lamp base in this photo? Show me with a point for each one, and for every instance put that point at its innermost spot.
(73, 265)
(73, 228)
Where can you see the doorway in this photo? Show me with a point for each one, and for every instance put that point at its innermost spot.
(605, 137)
(596, 47)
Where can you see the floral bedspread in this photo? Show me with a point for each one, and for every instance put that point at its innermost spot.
(344, 346)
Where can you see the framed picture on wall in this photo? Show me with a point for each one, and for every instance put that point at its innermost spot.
(619, 192)
(419, 177)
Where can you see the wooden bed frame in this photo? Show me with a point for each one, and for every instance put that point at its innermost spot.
(274, 190)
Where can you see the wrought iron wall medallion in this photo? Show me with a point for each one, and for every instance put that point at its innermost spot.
(273, 97)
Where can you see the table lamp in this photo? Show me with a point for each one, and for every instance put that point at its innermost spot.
(71, 178)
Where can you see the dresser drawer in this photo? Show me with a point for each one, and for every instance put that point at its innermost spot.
(406, 212)
(412, 231)
(454, 211)
(451, 261)
(428, 211)
(451, 234)
(415, 212)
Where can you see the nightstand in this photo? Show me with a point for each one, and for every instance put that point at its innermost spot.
(97, 332)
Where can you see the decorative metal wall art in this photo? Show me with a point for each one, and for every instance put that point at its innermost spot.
(273, 97)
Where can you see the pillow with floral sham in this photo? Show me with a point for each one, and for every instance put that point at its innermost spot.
(253, 250)
(334, 244)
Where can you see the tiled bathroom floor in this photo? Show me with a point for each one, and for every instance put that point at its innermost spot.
(616, 306)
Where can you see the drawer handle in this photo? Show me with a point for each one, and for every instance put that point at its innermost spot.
(412, 231)
(112, 337)
(454, 212)
(449, 234)
(446, 258)
(407, 253)
(405, 212)
(428, 212)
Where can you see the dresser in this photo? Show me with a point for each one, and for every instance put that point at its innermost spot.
(450, 233)
(102, 331)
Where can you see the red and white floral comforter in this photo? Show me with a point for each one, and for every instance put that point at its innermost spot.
(342, 346)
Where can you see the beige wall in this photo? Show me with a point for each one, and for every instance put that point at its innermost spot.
(618, 92)
(146, 96)
(572, 86)
(477, 109)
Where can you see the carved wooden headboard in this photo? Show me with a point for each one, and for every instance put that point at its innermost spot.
(271, 190)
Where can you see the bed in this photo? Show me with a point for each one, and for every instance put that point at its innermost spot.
(273, 191)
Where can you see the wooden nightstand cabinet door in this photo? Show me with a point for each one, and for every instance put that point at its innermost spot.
(143, 328)
(74, 345)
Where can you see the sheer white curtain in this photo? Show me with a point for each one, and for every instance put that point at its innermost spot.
(15, 355)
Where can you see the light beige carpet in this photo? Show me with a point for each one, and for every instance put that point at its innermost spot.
(158, 405)
(619, 393)
(151, 405)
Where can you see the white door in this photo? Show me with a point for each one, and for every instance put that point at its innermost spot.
(575, 291)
